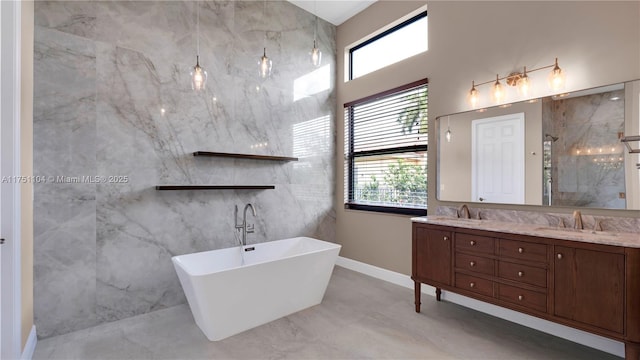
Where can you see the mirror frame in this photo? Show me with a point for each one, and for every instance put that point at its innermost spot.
(631, 111)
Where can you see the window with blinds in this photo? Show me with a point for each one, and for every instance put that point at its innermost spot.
(386, 151)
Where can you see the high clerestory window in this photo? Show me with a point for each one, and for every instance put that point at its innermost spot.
(386, 151)
(400, 42)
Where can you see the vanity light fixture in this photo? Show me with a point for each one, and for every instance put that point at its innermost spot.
(520, 80)
(265, 64)
(198, 74)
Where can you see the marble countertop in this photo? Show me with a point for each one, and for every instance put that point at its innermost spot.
(596, 237)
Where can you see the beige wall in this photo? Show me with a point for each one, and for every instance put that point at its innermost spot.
(454, 175)
(597, 43)
(26, 167)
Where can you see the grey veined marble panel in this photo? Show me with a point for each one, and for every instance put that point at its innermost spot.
(113, 99)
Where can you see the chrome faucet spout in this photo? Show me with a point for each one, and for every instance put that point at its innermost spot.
(253, 210)
(463, 212)
(577, 220)
(246, 228)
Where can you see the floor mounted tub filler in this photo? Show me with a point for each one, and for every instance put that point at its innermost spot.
(235, 289)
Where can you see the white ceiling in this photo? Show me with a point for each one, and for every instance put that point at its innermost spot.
(335, 12)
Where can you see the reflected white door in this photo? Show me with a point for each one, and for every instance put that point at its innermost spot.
(498, 159)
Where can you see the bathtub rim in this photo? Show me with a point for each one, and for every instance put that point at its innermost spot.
(177, 261)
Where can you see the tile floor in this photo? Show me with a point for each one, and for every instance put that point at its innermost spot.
(360, 317)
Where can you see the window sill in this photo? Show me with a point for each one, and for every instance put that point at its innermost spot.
(387, 209)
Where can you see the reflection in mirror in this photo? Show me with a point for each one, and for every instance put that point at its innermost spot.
(569, 153)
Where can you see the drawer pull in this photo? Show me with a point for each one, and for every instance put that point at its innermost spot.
(520, 273)
(472, 263)
(472, 242)
(520, 297)
(446, 238)
(520, 250)
(559, 256)
(472, 284)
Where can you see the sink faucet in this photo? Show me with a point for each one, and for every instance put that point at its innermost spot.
(577, 220)
(463, 212)
(246, 229)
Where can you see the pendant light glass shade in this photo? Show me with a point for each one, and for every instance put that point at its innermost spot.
(447, 135)
(198, 76)
(316, 55)
(265, 65)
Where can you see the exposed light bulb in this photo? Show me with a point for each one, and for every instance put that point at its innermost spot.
(473, 95)
(198, 76)
(498, 92)
(523, 84)
(447, 135)
(265, 65)
(316, 55)
(556, 78)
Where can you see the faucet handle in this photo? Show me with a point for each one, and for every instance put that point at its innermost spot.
(250, 228)
(598, 225)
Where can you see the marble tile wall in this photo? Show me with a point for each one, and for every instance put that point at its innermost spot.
(587, 165)
(113, 99)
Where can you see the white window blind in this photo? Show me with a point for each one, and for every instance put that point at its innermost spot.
(386, 138)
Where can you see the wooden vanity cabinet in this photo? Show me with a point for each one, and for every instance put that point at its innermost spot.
(591, 287)
(431, 259)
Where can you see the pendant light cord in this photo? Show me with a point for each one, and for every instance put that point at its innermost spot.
(315, 27)
(198, 28)
(264, 23)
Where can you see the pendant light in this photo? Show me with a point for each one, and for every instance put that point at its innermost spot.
(265, 64)
(316, 54)
(447, 135)
(198, 74)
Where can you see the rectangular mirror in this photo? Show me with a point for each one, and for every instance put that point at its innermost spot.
(562, 150)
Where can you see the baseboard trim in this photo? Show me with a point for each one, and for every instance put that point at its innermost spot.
(30, 346)
(565, 332)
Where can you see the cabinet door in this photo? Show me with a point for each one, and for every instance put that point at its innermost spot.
(589, 287)
(433, 255)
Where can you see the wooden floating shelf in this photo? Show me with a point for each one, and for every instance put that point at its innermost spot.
(214, 187)
(244, 156)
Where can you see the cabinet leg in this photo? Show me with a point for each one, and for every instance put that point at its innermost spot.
(631, 351)
(417, 295)
(438, 294)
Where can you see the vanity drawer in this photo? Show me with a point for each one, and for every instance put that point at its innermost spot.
(475, 263)
(472, 283)
(523, 250)
(475, 243)
(527, 298)
(523, 273)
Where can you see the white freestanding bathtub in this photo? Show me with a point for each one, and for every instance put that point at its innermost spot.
(235, 289)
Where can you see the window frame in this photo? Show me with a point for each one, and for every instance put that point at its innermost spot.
(351, 155)
(410, 21)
